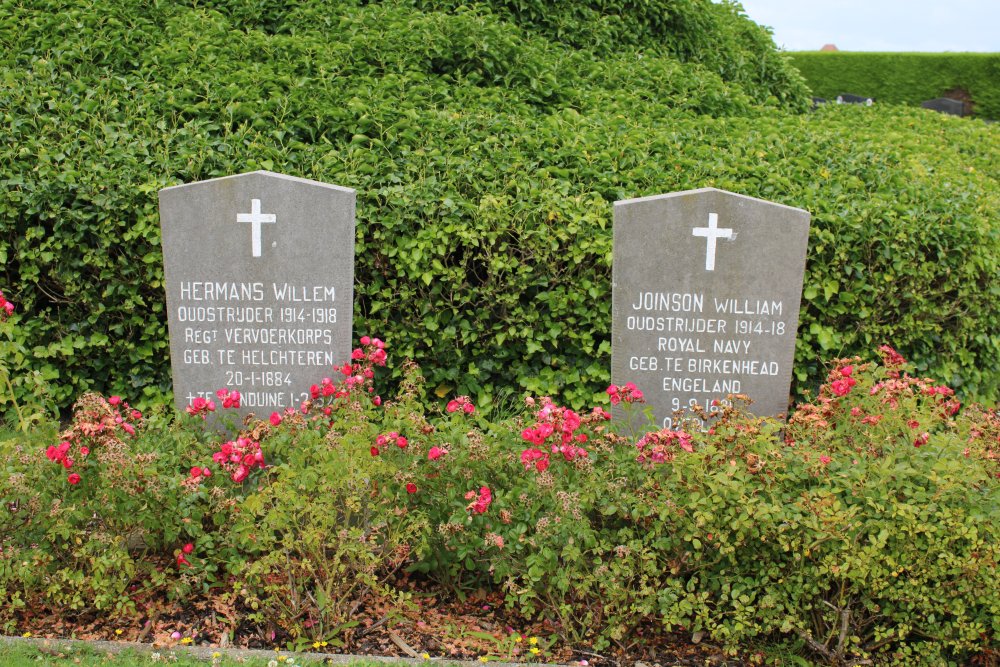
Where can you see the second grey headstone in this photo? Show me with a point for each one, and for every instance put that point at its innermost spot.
(706, 292)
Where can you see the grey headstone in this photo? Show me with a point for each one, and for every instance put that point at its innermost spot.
(706, 292)
(259, 272)
(945, 105)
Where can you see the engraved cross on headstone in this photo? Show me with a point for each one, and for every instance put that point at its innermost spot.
(712, 233)
(255, 217)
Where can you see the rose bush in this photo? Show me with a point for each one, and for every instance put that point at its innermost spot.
(866, 528)
(92, 515)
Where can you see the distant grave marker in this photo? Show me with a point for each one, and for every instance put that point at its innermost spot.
(945, 105)
(847, 98)
(706, 293)
(259, 273)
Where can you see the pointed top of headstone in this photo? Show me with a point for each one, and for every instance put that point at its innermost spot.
(252, 174)
(703, 191)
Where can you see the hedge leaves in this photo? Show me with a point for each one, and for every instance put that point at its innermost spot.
(487, 142)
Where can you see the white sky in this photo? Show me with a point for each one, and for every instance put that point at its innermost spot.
(881, 25)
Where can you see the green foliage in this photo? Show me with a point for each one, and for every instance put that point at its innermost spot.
(120, 508)
(316, 538)
(24, 394)
(109, 513)
(717, 36)
(867, 528)
(866, 531)
(904, 78)
(486, 150)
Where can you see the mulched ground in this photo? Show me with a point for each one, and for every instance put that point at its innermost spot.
(427, 624)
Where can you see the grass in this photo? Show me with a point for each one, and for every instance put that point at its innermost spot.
(30, 655)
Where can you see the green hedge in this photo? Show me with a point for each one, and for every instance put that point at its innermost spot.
(717, 36)
(486, 155)
(904, 78)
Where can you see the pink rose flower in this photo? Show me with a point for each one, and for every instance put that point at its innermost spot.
(840, 387)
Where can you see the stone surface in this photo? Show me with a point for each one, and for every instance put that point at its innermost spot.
(706, 293)
(945, 105)
(259, 273)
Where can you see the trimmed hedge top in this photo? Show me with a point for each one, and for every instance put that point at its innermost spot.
(905, 78)
(486, 155)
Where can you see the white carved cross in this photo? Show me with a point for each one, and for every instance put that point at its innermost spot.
(712, 233)
(255, 217)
